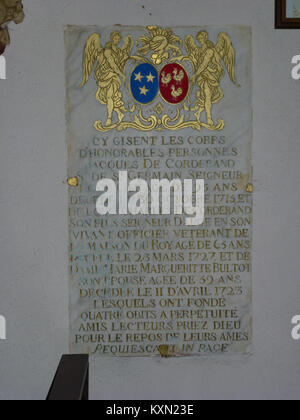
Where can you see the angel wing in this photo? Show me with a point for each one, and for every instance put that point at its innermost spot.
(226, 51)
(126, 50)
(128, 45)
(93, 51)
(193, 49)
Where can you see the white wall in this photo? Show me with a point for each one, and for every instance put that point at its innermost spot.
(33, 209)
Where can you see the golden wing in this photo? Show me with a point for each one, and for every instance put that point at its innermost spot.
(128, 45)
(192, 48)
(145, 42)
(226, 51)
(92, 52)
(126, 50)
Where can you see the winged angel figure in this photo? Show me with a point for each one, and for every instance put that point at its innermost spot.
(109, 71)
(209, 71)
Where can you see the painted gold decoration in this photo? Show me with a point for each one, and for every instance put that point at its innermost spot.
(10, 11)
(109, 72)
(209, 71)
(159, 108)
(73, 182)
(250, 188)
(161, 42)
(188, 91)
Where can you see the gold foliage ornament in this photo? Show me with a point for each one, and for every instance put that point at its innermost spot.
(209, 63)
(161, 42)
(10, 11)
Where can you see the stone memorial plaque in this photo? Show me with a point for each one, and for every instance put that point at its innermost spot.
(159, 132)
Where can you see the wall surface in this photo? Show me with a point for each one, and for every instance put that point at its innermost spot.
(33, 209)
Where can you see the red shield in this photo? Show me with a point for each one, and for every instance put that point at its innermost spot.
(173, 83)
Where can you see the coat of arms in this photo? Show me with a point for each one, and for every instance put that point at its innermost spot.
(163, 73)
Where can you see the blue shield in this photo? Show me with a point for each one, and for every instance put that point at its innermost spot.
(144, 83)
